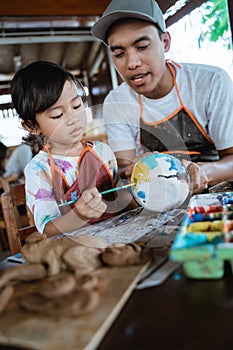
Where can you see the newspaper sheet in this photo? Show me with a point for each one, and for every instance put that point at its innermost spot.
(137, 225)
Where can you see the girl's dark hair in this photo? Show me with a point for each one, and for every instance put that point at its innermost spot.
(37, 87)
(3, 155)
(3, 151)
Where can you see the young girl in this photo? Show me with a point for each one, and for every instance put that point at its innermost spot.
(50, 102)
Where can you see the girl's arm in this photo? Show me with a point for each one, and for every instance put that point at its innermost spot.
(88, 206)
(42, 203)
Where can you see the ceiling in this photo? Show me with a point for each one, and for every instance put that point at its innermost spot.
(59, 31)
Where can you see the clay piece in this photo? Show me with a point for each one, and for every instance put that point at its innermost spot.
(82, 259)
(125, 254)
(78, 303)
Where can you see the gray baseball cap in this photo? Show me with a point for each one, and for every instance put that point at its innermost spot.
(147, 10)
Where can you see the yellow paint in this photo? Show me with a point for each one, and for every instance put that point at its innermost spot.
(140, 174)
(206, 226)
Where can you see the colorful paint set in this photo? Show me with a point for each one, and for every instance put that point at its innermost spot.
(205, 238)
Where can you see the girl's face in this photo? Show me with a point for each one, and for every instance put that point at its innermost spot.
(64, 123)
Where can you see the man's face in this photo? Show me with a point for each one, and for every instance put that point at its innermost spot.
(138, 54)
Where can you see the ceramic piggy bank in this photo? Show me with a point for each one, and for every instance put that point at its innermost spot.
(161, 182)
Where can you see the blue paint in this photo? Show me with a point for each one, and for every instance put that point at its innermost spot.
(141, 194)
(173, 163)
(163, 234)
(177, 276)
(150, 161)
(73, 195)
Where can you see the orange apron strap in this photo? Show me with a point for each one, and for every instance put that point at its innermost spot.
(198, 125)
(181, 152)
(181, 105)
(140, 105)
(54, 167)
(186, 109)
(177, 91)
(174, 81)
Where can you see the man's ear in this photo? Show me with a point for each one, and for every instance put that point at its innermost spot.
(33, 130)
(166, 38)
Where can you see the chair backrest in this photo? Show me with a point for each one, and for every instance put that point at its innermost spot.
(4, 185)
(18, 219)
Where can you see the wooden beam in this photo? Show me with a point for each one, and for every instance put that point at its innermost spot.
(61, 7)
(165, 5)
(185, 10)
(52, 7)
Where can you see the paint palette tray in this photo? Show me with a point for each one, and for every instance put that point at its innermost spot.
(205, 238)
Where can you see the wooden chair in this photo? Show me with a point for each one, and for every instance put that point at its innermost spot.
(18, 219)
(3, 240)
(4, 187)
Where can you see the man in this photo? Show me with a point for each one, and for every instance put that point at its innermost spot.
(184, 109)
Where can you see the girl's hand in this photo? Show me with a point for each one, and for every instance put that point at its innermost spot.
(197, 175)
(90, 205)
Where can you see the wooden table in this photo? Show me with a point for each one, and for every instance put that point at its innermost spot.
(180, 314)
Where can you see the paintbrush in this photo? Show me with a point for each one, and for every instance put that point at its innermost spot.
(104, 192)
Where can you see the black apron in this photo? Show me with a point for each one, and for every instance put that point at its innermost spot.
(179, 134)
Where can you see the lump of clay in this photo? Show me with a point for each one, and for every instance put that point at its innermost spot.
(82, 259)
(126, 254)
(35, 237)
(58, 285)
(87, 281)
(6, 294)
(77, 303)
(56, 254)
(47, 252)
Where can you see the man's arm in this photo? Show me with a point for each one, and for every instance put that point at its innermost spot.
(202, 174)
(206, 174)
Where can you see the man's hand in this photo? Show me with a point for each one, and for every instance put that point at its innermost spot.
(197, 175)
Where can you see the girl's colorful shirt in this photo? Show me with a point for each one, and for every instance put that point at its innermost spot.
(38, 181)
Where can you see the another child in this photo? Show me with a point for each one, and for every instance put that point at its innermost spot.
(15, 164)
(50, 102)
